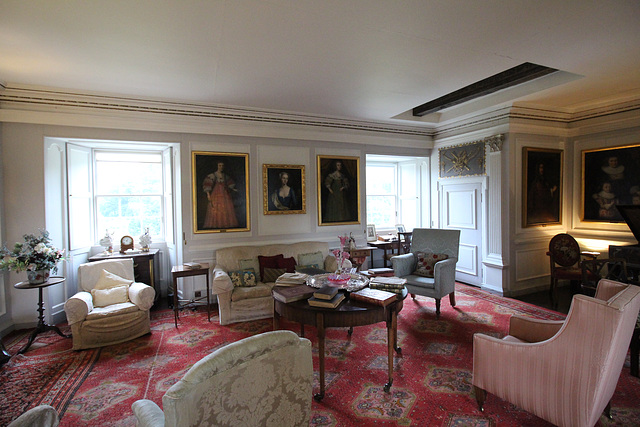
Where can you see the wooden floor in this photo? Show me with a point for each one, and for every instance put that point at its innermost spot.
(542, 299)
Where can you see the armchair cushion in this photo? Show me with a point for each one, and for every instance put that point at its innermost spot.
(289, 264)
(271, 274)
(112, 310)
(109, 280)
(251, 264)
(109, 296)
(426, 263)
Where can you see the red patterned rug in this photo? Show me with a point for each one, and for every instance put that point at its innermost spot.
(432, 378)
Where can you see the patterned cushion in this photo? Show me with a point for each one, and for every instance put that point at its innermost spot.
(426, 263)
(250, 264)
(311, 258)
(268, 262)
(242, 278)
(289, 264)
(271, 274)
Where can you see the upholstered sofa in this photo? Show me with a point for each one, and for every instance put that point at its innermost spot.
(243, 303)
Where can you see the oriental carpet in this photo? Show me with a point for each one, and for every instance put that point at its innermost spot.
(431, 387)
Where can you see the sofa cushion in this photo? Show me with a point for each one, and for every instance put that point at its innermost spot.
(289, 264)
(311, 258)
(251, 263)
(242, 293)
(110, 296)
(271, 274)
(426, 263)
(268, 262)
(245, 277)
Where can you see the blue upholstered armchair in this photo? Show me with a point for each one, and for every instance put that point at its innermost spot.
(430, 267)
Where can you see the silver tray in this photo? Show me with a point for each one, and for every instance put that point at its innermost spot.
(354, 284)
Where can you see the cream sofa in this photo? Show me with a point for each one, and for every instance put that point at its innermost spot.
(241, 304)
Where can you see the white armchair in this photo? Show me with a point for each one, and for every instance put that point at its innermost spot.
(263, 380)
(439, 245)
(110, 307)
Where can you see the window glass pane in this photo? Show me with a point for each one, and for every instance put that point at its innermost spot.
(381, 211)
(381, 180)
(128, 178)
(129, 215)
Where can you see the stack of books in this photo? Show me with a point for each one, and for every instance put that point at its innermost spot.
(291, 279)
(326, 297)
(391, 284)
(292, 293)
(374, 296)
(380, 272)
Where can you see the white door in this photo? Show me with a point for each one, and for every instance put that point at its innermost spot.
(461, 210)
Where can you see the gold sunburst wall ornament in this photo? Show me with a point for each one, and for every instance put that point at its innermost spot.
(462, 160)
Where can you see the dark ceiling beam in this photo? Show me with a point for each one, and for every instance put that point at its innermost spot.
(512, 77)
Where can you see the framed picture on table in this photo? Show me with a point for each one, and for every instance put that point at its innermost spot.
(371, 233)
(220, 192)
(283, 189)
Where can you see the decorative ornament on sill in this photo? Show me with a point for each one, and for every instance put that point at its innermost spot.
(340, 277)
(107, 242)
(145, 240)
(36, 255)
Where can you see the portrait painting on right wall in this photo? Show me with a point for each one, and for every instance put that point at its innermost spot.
(542, 182)
(610, 177)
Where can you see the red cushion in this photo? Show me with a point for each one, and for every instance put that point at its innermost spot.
(289, 264)
(268, 262)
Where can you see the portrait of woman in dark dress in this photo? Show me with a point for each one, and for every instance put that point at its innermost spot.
(338, 187)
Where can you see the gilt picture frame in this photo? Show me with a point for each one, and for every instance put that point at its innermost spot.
(610, 177)
(338, 190)
(220, 192)
(283, 189)
(542, 186)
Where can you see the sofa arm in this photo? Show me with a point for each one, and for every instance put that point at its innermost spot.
(147, 413)
(142, 295)
(77, 307)
(403, 265)
(221, 281)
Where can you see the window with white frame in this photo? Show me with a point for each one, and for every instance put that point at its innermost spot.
(394, 192)
(129, 193)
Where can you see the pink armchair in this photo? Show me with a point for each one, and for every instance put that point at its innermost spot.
(564, 372)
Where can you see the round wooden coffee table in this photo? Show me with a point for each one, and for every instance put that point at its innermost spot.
(347, 314)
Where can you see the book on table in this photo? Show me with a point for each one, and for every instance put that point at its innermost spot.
(391, 281)
(374, 296)
(292, 293)
(332, 303)
(326, 292)
(382, 271)
(192, 265)
(290, 279)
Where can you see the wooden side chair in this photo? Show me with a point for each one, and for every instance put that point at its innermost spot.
(404, 242)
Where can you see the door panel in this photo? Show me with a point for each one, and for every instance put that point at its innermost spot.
(461, 210)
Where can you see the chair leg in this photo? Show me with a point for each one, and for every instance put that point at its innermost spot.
(552, 292)
(607, 410)
(413, 296)
(437, 308)
(452, 299)
(481, 396)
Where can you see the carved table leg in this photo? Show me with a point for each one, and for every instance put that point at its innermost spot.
(321, 333)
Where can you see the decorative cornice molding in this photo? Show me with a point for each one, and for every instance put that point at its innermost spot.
(494, 142)
(29, 99)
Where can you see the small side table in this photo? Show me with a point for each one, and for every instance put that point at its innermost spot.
(182, 271)
(42, 325)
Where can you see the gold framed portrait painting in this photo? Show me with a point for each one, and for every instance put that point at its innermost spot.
(542, 186)
(220, 184)
(338, 190)
(283, 189)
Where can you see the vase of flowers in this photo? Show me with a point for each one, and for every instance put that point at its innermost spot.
(340, 277)
(36, 256)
